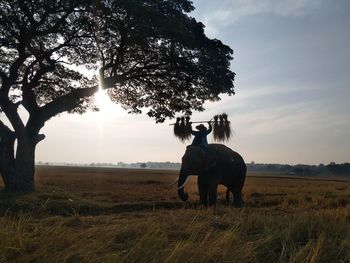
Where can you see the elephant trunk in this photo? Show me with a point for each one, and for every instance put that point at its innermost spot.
(183, 178)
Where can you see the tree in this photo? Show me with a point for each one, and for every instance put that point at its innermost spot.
(149, 54)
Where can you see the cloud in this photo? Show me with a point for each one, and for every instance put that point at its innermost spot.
(216, 15)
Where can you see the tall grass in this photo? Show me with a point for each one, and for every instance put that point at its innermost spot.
(282, 221)
(225, 235)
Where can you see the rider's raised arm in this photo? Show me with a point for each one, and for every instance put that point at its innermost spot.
(210, 128)
(192, 131)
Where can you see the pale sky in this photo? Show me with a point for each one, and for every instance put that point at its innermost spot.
(292, 62)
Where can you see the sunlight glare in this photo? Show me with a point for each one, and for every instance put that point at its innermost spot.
(107, 108)
(102, 100)
(109, 111)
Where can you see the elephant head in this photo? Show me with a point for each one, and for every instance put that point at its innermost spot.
(194, 162)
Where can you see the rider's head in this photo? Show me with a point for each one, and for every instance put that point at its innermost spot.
(201, 127)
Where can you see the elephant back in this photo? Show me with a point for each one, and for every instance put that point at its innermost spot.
(231, 164)
(225, 153)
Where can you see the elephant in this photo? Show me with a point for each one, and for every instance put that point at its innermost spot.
(217, 164)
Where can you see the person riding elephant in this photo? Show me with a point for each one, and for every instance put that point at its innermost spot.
(200, 136)
(216, 165)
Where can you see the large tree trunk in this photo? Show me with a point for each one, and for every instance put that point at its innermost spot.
(7, 141)
(24, 165)
(18, 172)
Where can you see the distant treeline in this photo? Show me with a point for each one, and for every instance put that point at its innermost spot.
(302, 169)
(151, 165)
(299, 169)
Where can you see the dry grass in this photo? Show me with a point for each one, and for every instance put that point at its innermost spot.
(123, 215)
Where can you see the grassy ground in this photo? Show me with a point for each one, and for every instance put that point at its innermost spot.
(124, 215)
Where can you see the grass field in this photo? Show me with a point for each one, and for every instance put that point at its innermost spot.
(133, 215)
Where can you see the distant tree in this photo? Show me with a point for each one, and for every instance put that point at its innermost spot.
(271, 167)
(143, 165)
(148, 54)
(298, 170)
(339, 168)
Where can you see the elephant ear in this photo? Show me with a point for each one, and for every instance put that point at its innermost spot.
(210, 159)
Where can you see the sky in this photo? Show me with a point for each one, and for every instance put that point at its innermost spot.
(292, 62)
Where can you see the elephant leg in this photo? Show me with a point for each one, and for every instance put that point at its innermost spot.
(213, 192)
(228, 190)
(237, 197)
(203, 190)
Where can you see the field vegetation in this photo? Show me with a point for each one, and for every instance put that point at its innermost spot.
(134, 215)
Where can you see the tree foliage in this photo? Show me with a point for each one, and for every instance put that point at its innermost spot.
(149, 54)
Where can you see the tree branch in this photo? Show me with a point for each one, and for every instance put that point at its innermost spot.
(10, 109)
(7, 140)
(65, 103)
(4, 129)
(29, 100)
(3, 79)
(56, 26)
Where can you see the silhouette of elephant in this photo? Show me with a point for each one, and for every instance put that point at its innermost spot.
(215, 165)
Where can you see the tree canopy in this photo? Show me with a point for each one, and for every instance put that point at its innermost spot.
(149, 54)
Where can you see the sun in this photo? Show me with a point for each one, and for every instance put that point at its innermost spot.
(102, 100)
(107, 109)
